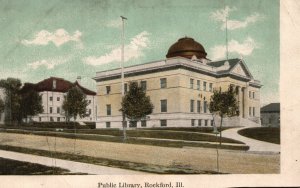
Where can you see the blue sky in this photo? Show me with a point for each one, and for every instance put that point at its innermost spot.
(67, 39)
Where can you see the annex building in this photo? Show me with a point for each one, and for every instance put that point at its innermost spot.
(53, 90)
(180, 88)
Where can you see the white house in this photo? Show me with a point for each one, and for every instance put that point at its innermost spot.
(53, 90)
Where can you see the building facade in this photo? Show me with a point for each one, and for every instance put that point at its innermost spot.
(180, 88)
(53, 90)
(270, 115)
(2, 97)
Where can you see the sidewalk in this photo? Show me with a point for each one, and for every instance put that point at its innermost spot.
(70, 165)
(255, 145)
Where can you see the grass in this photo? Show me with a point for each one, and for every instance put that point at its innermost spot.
(134, 140)
(267, 134)
(13, 167)
(172, 169)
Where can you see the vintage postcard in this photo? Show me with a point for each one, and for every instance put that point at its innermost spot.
(148, 94)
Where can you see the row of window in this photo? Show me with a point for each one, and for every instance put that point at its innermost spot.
(58, 119)
(206, 122)
(252, 94)
(88, 111)
(198, 87)
(251, 111)
(205, 106)
(131, 124)
(58, 99)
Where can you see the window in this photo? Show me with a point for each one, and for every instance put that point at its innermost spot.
(204, 86)
(212, 123)
(163, 123)
(40, 119)
(108, 109)
(50, 110)
(193, 122)
(198, 84)
(163, 105)
(90, 111)
(253, 111)
(192, 106)
(58, 110)
(58, 98)
(143, 123)
(205, 106)
(249, 94)
(58, 119)
(133, 124)
(250, 111)
(191, 83)
(198, 106)
(89, 101)
(144, 85)
(205, 122)
(253, 95)
(199, 122)
(51, 98)
(51, 119)
(163, 83)
(107, 124)
(125, 88)
(210, 86)
(107, 89)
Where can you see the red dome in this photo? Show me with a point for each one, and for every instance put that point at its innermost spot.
(186, 47)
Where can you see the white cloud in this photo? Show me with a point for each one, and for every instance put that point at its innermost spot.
(59, 37)
(49, 64)
(220, 16)
(133, 50)
(244, 49)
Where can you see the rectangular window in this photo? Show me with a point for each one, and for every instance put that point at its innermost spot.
(107, 124)
(199, 122)
(108, 109)
(253, 111)
(107, 89)
(51, 119)
(125, 88)
(40, 119)
(58, 98)
(249, 94)
(192, 106)
(205, 122)
(163, 105)
(205, 106)
(253, 95)
(90, 111)
(133, 124)
(198, 84)
(193, 122)
(210, 87)
(204, 86)
(212, 123)
(58, 110)
(50, 111)
(250, 111)
(163, 123)
(198, 106)
(58, 119)
(144, 85)
(143, 123)
(191, 83)
(51, 98)
(163, 83)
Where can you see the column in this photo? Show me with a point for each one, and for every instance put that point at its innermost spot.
(240, 101)
(246, 101)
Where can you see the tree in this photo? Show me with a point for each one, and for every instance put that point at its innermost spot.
(135, 104)
(75, 103)
(31, 104)
(11, 88)
(224, 104)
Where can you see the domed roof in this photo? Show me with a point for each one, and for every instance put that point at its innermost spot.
(186, 47)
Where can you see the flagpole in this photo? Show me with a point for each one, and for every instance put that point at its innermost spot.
(122, 77)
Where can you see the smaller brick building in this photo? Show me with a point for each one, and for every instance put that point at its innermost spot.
(270, 115)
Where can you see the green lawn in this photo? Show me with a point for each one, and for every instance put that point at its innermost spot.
(267, 134)
(13, 167)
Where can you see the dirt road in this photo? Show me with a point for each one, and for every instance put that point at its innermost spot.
(194, 158)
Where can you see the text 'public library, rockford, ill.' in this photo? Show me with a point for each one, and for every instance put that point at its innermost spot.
(180, 88)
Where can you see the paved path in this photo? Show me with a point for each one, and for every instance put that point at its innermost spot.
(70, 165)
(255, 145)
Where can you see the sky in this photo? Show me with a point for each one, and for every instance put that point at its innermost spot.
(70, 38)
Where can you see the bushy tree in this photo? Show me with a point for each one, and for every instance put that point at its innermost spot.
(75, 103)
(31, 104)
(11, 87)
(135, 104)
(224, 104)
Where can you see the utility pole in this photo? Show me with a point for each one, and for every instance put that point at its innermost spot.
(122, 77)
